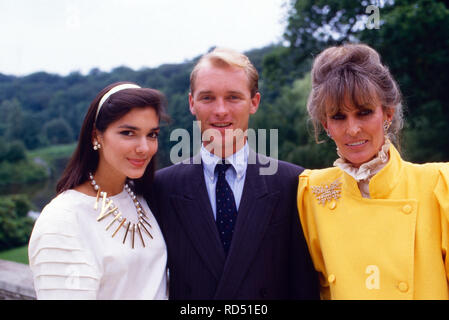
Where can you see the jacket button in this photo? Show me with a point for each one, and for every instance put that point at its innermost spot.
(332, 205)
(331, 278)
(403, 286)
(407, 209)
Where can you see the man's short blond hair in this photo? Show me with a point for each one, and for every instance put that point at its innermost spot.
(224, 57)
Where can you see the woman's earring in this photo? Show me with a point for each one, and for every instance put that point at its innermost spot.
(387, 125)
(96, 145)
(328, 134)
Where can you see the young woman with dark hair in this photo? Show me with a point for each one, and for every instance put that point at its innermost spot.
(97, 239)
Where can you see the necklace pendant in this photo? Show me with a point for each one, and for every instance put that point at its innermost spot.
(140, 234)
(133, 234)
(126, 233)
(104, 212)
(145, 229)
(108, 207)
(113, 220)
(143, 218)
(118, 228)
(140, 210)
(96, 201)
(102, 216)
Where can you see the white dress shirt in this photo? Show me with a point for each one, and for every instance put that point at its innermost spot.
(235, 178)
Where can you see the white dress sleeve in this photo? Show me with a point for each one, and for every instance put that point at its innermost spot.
(62, 267)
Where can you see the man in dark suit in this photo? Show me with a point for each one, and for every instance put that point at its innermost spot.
(228, 214)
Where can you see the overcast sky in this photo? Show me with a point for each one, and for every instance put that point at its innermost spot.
(61, 36)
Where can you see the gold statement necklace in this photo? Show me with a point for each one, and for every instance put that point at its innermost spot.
(109, 208)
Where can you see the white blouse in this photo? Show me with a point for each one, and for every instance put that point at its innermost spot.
(72, 256)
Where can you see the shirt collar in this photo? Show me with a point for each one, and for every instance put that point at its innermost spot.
(384, 181)
(238, 160)
(367, 170)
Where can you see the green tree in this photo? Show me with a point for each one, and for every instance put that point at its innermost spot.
(15, 152)
(15, 226)
(32, 136)
(288, 114)
(20, 173)
(13, 121)
(279, 70)
(3, 148)
(414, 42)
(58, 131)
(311, 27)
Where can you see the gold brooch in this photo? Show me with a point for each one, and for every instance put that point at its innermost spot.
(327, 192)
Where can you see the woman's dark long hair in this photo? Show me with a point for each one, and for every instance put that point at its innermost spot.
(85, 158)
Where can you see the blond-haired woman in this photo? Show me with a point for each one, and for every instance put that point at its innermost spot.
(376, 225)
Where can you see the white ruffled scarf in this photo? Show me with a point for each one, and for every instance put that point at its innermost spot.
(366, 171)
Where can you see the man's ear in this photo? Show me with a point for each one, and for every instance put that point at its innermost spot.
(191, 106)
(255, 101)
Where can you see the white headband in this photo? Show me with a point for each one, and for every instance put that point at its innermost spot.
(111, 92)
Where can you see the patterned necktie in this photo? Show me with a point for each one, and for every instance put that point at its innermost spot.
(226, 208)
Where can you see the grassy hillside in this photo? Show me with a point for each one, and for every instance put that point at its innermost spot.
(19, 254)
(48, 154)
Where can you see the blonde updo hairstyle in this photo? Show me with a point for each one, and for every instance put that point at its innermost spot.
(352, 72)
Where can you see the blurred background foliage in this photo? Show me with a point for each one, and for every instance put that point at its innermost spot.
(43, 111)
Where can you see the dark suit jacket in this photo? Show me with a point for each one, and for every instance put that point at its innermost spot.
(268, 257)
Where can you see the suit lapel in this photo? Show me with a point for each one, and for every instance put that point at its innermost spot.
(254, 214)
(195, 213)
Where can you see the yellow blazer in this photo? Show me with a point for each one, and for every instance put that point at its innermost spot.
(391, 246)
